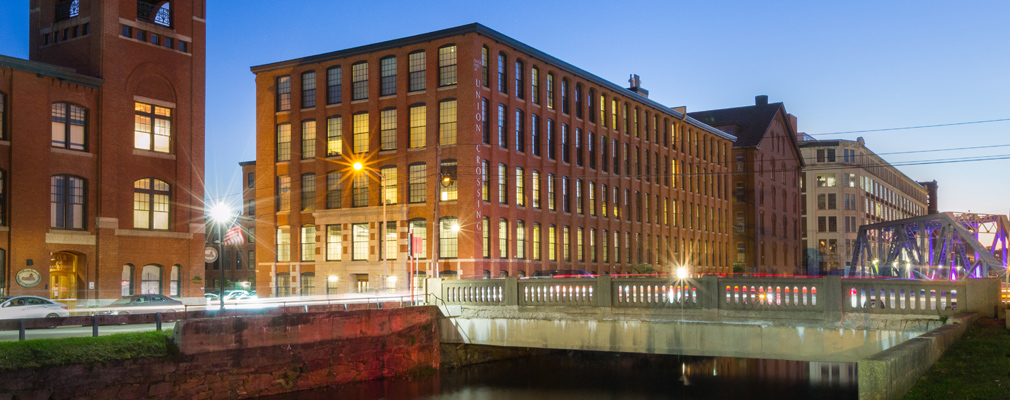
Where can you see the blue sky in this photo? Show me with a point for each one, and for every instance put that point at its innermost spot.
(839, 66)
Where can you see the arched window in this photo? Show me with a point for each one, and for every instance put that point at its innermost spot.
(150, 279)
(578, 100)
(69, 122)
(67, 202)
(151, 204)
(155, 11)
(447, 65)
(564, 96)
(502, 73)
(591, 101)
(127, 280)
(520, 71)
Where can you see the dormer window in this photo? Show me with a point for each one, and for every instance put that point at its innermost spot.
(154, 11)
(67, 9)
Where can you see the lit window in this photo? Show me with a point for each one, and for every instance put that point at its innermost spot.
(150, 204)
(447, 122)
(389, 175)
(152, 128)
(284, 142)
(449, 191)
(503, 238)
(283, 193)
(360, 128)
(359, 191)
(308, 139)
(520, 187)
(417, 182)
(448, 245)
(503, 196)
(359, 242)
(418, 126)
(283, 92)
(334, 136)
(308, 240)
(520, 239)
(283, 244)
(447, 65)
(334, 243)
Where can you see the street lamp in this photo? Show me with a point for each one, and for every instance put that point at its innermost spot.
(220, 214)
(358, 166)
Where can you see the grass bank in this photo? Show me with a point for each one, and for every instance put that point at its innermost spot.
(52, 352)
(975, 367)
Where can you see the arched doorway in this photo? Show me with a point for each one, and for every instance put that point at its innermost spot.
(63, 277)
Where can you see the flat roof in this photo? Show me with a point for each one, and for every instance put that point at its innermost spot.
(55, 71)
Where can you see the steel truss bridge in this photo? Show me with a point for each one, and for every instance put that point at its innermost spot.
(944, 246)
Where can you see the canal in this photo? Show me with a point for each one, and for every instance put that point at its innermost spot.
(593, 375)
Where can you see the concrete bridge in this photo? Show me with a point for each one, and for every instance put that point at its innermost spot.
(803, 319)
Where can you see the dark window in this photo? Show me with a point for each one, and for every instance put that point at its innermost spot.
(578, 100)
(155, 11)
(535, 133)
(67, 202)
(3, 117)
(485, 109)
(333, 190)
(519, 79)
(520, 134)
(387, 76)
(359, 81)
(67, 9)
(309, 89)
(84, 29)
(333, 85)
(283, 92)
(141, 35)
(170, 43)
(68, 126)
(3, 198)
(502, 74)
(417, 71)
(564, 96)
(550, 139)
(184, 46)
(502, 126)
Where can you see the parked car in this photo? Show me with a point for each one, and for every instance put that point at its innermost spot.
(562, 273)
(24, 307)
(143, 303)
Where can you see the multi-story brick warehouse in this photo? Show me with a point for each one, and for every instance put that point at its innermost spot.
(526, 162)
(846, 185)
(766, 173)
(101, 153)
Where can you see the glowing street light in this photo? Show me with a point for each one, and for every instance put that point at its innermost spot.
(221, 214)
(358, 166)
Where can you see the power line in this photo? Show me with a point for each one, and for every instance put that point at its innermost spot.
(912, 127)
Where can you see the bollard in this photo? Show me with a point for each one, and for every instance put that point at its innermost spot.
(345, 306)
(21, 329)
(157, 321)
(305, 308)
(94, 326)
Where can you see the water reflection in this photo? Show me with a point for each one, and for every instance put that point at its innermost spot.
(591, 375)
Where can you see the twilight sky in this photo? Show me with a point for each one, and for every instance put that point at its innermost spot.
(837, 66)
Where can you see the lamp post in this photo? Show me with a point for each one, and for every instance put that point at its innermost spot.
(357, 166)
(221, 214)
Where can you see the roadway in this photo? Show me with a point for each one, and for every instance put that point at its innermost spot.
(80, 331)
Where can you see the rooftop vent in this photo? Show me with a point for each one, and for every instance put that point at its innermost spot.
(761, 100)
(636, 86)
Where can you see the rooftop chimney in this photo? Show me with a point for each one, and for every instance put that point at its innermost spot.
(761, 100)
(636, 86)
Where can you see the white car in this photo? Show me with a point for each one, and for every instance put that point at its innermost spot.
(25, 307)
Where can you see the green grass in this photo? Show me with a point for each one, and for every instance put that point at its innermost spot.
(975, 367)
(67, 351)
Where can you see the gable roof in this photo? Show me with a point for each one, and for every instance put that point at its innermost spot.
(751, 121)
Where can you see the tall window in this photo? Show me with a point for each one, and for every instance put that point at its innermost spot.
(536, 189)
(417, 71)
(334, 190)
(283, 193)
(420, 229)
(580, 253)
(564, 96)
(387, 76)
(535, 134)
(519, 79)
(603, 110)
(283, 243)
(552, 244)
(308, 139)
(550, 139)
(605, 246)
(418, 180)
(503, 194)
(591, 100)
(334, 136)
(566, 201)
(360, 131)
(389, 244)
(520, 135)
(359, 242)
(283, 93)
(503, 238)
(448, 245)
(308, 284)
(150, 280)
(578, 147)
(389, 175)
(550, 192)
(333, 85)
(308, 192)
(284, 142)
(283, 284)
(152, 128)
(578, 196)
(502, 126)
(485, 59)
(591, 143)
(550, 90)
(387, 126)
(520, 187)
(359, 81)
(150, 204)
(486, 237)
(536, 241)
(308, 241)
(418, 126)
(67, 202)
(566, 250)
(69, 123)
(520, 239)
(485, 180)
(578, 100)
(535, 85)
(359, 191)
(174, 280)
(309, 89)
(449, 192)
(502, 73)
(565, 152)
(447, 65)
(3, 198)
(447, 121)
(334, 243)
(3, 120)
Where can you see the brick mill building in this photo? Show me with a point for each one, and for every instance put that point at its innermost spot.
(101, 152)
(766, 172)
(504, 159)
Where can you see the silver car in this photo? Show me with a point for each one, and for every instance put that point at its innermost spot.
(25, 307)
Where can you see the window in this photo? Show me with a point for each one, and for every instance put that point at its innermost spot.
(535, 85)
(565, 152)
(334, 190)
(564, 96)
(283, 92)
(283, 243)
(550, 140)
(3, 132)
(578, 147)
(591, 143)
(360, 132)
(283, 193)
(417, 183)
(604, 157)
(387, 129)
(520, 239)
(448, 191)
(419, 228)
(520, 139)
(334, 136)
(284, 142)
(387, 76)
(69, 123)
(333, 243)
(485, 181)
(447, 65)
(447, 121)
(333, 85)
(552, 238)
(535, 134)
(520, 86)
(485, 56)
(448, 246)
(390, 245)
(67, 202)
(536, 241)
(308, 200)
(502, 126)
(627, 122)
(359, 81)
(578, 196)
(580, 253)
(151, 204)
(503, 238)
(486, 237)
(550, 192)
(550, 90)
(308, 287)
(605, 246)
(536, 189)
(417, 71)
(174, 281)
(503, 196)
(613, 114)
(359, 242)
(502, 74)
(308, 240)
(359, 191)
(283, 284)
(566, 201)
(158, 12)
(578, 100)
(308, 139)
(309, 89)
(67, 9)
(520, 187)
(150, 280)
(389, 176)
(418, 126)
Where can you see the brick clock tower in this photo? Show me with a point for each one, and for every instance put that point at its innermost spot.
(102, 152)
